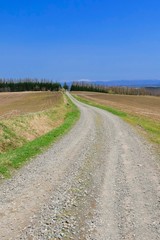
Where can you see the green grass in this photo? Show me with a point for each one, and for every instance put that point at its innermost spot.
(149, 127)
(14, 159)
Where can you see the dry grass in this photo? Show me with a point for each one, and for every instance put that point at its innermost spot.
(62, 116)
(28, 115)
(145, 106)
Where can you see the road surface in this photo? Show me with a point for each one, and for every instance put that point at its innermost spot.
(100, 181)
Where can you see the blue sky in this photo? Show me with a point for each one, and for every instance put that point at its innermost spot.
(80, 39)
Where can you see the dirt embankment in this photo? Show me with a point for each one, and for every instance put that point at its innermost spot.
(25, 116)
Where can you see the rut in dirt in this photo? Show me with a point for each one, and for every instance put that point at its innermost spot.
(100, 181)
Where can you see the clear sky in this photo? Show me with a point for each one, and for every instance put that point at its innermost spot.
(80, 39)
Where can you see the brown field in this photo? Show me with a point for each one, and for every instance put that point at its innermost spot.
(25, 116)
(147, 106)
(19, 103)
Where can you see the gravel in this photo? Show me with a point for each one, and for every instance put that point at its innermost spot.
(100, 181)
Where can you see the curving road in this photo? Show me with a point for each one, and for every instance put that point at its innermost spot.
(100, 182)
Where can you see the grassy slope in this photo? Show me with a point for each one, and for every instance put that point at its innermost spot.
(150, 128)
(37, 114)
(14, 159)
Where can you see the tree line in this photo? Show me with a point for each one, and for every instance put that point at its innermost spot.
(11, 85)
(82, 86)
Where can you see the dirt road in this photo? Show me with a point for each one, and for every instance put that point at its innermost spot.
(99, 182)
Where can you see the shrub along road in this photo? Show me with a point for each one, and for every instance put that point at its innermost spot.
(100, 181)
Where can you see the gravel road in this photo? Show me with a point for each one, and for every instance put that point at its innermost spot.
(98, 182)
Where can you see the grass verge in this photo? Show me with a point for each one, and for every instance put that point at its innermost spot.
(147, 126)
(14, 159)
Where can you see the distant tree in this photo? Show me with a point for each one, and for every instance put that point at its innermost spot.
(82, 86)
(10, 85)
(65, 86)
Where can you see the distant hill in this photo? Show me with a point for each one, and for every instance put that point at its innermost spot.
(130, 83)
(124, 83)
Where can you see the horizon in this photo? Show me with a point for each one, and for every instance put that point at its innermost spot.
(79, 80)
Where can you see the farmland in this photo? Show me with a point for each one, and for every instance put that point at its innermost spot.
(28, 123)
(141, 111)
(147, 106)
(26, 116)
(20, 103)
(101, 172)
